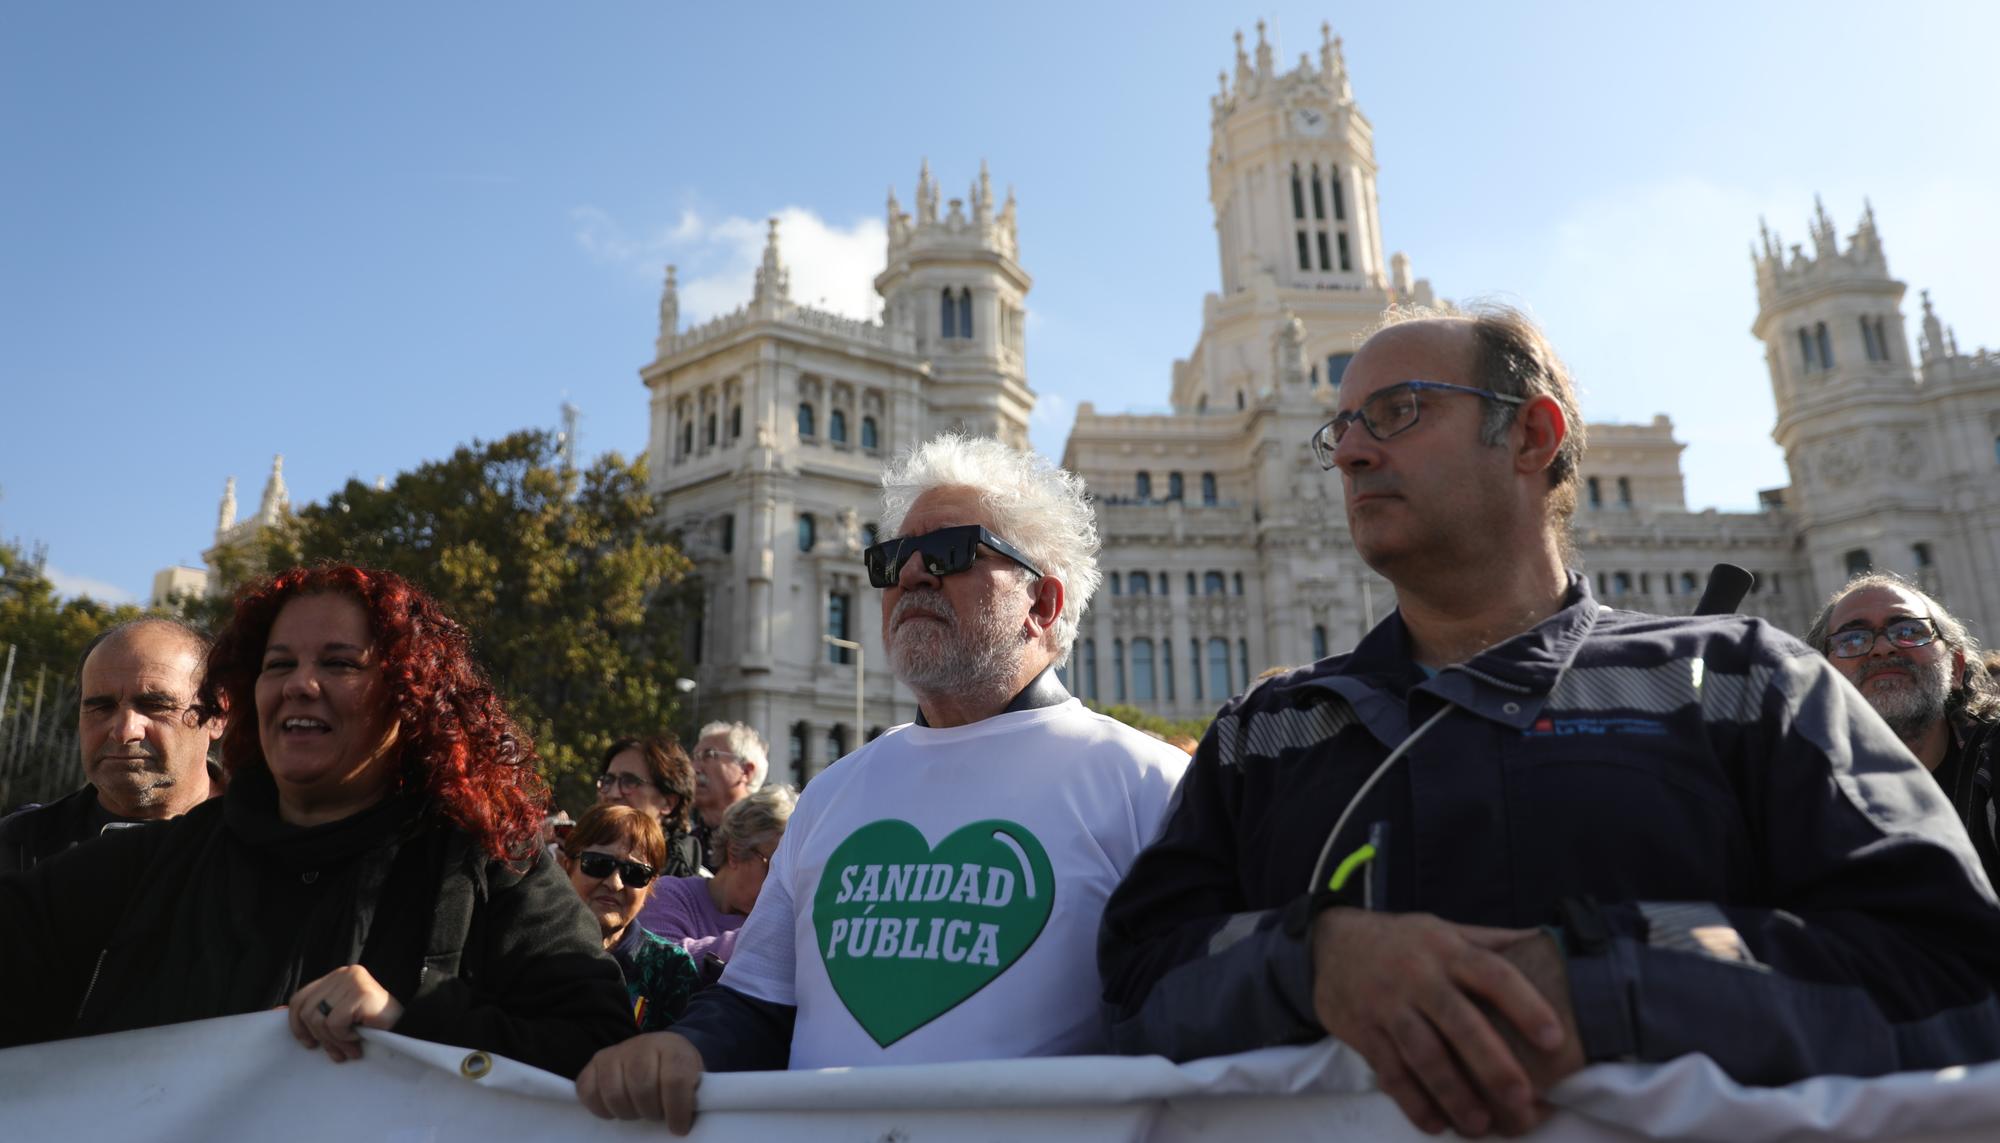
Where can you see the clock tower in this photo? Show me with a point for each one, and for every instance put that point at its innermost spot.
(1291, 174)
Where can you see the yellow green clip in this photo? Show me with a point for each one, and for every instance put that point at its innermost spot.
(1352, 862)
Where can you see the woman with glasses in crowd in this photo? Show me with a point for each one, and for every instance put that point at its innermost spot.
(373, 865)
(654, 776)
(612, 857)
(702, 914)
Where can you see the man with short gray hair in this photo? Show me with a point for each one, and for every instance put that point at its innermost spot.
(145, 750)
(730, 760)
(937, 894)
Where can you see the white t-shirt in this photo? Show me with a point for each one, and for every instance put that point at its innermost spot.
(937, 893)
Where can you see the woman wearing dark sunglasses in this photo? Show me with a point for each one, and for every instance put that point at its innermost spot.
(612, 858)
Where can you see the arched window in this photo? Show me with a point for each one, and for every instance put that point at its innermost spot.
(1687, 583)
(1176, 487)
(1117, 584)
(1142, 584)
(1594, 492)
(808, 531)
(1212, 583)
(687, 438)
(808, 426)
(1319, 641)
(1118, 670)
(1243, 660)
(1336, 365)
(1298, 195)
(1166, 670)
(836, 426)
(965, 313)
(708, 431)
(1090, 669)
(836, 743)
(869, 440)
(1239, 398)
(1238, 578)
(1326, 263)
(837, 610)
(1208, 488)
(1319, 201)
(1191, 591)
(1868, 340)
(736, 422)
(800, 733)
(725, 536)
(1194, 674)
(1806, 354)
(1624, 492)
(1218, 669)
(1857, 561)
(1621, 583)
(947, 315)
(1339, 199)
(1305, 258)
(1143, 485)
(1825, 346)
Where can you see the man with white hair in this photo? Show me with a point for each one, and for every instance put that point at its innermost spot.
(730, 762)
(937, 894)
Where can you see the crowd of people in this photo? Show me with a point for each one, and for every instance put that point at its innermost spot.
(1511, 833)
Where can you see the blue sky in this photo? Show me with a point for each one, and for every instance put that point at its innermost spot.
(362, 234)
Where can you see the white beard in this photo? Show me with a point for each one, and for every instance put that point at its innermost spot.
(952, 655)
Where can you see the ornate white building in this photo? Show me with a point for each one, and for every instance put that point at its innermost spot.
(1225, 546)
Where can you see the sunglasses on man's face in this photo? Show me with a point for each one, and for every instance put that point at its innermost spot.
(946, 551)
(635, 874)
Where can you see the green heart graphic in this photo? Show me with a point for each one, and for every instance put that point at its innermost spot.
(908, 932)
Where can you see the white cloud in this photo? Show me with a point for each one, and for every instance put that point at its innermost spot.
(832, 267)
(73, 586)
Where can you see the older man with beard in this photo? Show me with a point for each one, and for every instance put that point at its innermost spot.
(1921, 670)
(937, 895)
(145, 750)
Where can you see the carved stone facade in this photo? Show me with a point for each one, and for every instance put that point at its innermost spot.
(770, 426)
(1226, 547)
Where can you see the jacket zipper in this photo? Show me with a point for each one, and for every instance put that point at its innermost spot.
(94, 973)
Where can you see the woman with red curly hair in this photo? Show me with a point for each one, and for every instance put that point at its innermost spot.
(373, 864)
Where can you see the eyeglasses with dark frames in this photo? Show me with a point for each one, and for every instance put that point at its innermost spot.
(1391, 411)
(1906, 633)
(635, 874)
(946, 551)
(617, 780)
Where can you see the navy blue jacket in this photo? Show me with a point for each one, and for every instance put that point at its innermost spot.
(1671, 779)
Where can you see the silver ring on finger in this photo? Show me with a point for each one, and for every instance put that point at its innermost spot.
(325, 1009)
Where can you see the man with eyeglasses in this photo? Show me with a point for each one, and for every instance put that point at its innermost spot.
(1513, 832)
(1921, 670)
(730, 761)
(145, 753)
(937, 894)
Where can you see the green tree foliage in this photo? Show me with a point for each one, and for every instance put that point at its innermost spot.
(1152, 723)
(573, 592)
(38, 758)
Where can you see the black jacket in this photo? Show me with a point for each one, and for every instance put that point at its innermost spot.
(225, 910)
(38, 833)
(1776, 882)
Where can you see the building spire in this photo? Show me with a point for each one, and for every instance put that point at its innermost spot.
(1263, 53)
(276, 501)
(927, 195)
(774, 284)
(1825, 243)
(670, 309)
(226, 518)
(1242, 64)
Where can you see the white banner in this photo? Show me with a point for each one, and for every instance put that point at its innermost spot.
(245, 1078)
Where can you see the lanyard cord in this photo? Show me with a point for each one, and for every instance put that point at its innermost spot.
(1319, 867)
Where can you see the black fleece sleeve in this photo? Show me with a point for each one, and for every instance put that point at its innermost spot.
(55, 920)
(738, 1033)
(535, 984)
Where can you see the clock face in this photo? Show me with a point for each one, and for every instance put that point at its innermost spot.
(1309, 121)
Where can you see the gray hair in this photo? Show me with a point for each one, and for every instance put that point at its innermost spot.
(1973, 693)
(1512, 356)
(745, 743)
(754, 818)
(1035, 505)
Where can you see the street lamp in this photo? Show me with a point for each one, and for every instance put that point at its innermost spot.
(687, 687)
(860, 674)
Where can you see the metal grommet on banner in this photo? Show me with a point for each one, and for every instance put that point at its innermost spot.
(476, 1065)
